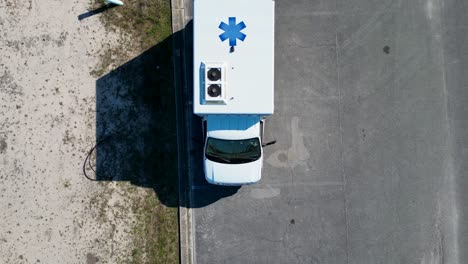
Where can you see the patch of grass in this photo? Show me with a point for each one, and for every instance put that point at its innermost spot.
(137, 72)
(155, 234)
(98, 204)
(147, 21)
(106, 61)
(140, 23)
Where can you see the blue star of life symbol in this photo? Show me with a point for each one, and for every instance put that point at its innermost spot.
(232, 31)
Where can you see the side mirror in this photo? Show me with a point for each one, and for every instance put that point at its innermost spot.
(269, 143)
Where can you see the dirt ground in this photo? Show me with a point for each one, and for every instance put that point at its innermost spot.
(51, 68)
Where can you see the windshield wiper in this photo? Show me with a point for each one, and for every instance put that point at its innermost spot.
(248, 159)
(218, 157)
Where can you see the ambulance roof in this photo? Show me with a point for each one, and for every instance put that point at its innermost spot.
(236, 36)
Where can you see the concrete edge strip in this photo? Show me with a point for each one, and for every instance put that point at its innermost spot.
(186, 254)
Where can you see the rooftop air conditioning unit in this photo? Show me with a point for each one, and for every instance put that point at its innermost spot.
(215, 83)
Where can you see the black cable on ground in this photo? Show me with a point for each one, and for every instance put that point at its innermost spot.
(88, 160)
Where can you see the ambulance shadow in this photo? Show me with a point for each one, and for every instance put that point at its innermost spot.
(201, 192)
(136, 124)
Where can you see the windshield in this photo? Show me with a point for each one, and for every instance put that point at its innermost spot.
(233, 151)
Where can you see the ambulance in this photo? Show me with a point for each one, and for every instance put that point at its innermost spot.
(233, 56)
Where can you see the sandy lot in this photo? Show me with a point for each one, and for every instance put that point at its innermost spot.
(50, 213)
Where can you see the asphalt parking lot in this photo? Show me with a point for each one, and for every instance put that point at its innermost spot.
(370, 118)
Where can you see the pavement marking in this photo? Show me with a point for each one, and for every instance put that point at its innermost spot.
(297, 154)
(308, 99)
(275, 186)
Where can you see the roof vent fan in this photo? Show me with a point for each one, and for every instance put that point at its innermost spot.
(214, 83)
(214, 74)
(214, 90)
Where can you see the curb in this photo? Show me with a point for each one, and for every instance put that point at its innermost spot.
(186, 254)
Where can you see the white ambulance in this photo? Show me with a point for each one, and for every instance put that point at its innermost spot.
(233, 85)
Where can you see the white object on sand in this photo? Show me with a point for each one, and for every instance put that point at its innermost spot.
(115, 2)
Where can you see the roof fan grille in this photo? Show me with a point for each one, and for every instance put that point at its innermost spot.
(214, 74)
(214, 90)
